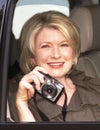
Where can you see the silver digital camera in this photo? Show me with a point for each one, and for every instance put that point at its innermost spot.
(51, 89)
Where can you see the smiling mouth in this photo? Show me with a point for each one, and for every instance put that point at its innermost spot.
(56, 64)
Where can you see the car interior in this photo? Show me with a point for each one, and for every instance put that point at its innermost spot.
(87, 18)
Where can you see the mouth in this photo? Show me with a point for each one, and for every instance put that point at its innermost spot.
(56, 64)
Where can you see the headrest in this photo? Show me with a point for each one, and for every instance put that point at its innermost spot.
(88, 20)
(26, 8)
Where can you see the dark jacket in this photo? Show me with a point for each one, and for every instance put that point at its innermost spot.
(84, 104)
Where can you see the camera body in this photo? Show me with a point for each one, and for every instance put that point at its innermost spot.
(51, 89)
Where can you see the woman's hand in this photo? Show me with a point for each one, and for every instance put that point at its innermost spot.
(27, 86)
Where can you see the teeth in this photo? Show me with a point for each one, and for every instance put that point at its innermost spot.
(56, 64)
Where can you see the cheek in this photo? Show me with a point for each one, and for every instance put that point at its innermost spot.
(73, 55)
(69, 54)
(41, 56)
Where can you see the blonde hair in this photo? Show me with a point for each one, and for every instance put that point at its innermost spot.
(35, 24)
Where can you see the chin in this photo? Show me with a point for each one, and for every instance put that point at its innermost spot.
(57, 75)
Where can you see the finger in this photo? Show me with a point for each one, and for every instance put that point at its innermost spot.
(37, 82)
(37, 77)
(33, 76)
(25, 88)
(40, 69)
(31, 79)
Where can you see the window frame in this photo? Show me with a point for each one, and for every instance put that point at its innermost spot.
(5, 36)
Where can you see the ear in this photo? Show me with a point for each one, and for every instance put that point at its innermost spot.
(75, 60)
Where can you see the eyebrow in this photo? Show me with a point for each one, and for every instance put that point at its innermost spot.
(59, 42)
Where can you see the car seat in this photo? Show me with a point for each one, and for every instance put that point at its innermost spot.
(87, 19)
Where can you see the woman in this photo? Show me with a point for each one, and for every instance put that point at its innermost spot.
(50, 45)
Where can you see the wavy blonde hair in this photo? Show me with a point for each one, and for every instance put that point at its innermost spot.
(35, 24)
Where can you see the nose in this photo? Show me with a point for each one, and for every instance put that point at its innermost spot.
(56, 52)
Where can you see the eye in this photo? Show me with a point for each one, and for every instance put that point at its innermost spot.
(45, 46)
(64, 44)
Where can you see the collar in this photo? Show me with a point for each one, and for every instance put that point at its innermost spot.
(88, 88)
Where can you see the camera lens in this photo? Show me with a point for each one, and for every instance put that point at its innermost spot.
(49, 90)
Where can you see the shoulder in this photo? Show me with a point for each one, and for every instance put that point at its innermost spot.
(88, 87)
(13, 86)
(79, 78)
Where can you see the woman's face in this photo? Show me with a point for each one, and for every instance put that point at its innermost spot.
(54, 53)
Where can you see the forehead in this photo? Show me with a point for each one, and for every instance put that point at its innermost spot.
(50, 33)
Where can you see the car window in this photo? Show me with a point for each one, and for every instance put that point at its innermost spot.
(16, 28)
(13, 69)
(14, 55)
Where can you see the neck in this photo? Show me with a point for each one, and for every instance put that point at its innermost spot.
(67, 83)
(69, 89)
